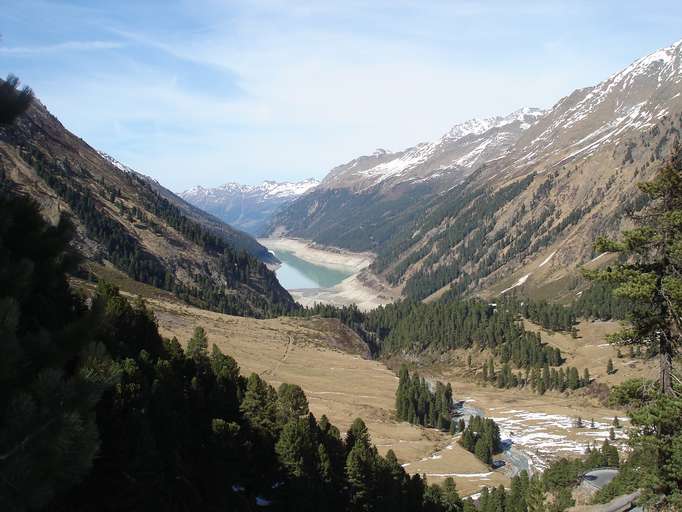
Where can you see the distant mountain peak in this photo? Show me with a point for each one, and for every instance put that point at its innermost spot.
(247, 206)
(476, 126)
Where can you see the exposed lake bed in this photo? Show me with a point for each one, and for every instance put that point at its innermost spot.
(315, 274)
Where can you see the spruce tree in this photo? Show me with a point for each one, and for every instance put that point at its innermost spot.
(197, 346)
(536, 495)
(53, 370)
(651, 276)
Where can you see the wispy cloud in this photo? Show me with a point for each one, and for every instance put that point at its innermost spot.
(252, 89)
(66, 46)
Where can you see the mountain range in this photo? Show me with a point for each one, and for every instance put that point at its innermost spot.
(127, 224)
(507, 202)
(247, 207)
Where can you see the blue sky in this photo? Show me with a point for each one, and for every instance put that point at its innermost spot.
(207, 92)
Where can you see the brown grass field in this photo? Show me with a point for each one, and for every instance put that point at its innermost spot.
(329, 362)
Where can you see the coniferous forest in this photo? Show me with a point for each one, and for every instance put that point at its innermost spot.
(482, 438)
(416, 403)
(106, 414)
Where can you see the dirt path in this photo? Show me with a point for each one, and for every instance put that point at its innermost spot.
(273, 370)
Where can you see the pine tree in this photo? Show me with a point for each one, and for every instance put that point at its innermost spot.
(296, 449)
(651, 277)
(482, 450)
(612, 434)
(291, 402)
(536, 495)
(52, 371)
(197, 346)
(360, 472)
(609, 367)
(357, 433)
(616, 422)
(259, 405)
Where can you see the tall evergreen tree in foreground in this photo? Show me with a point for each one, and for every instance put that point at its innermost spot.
(52, 372)
(651, 277)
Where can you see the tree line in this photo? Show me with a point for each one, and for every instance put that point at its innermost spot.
(416, 403)
(238, 270)
(481, 437)
(98, 411)
(539, 380)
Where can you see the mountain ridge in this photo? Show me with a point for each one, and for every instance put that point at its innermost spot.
(247, 206)
(567, 177)
(128, 221)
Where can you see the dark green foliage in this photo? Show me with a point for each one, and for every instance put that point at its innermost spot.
(632, 393)
(442, 326)
(651, 275)
(444, 497)
(150, 427)
(416, 403)
(482, 438)
(656, 430)
(187, 432)
(529, 494)
(598, 301)
(13, 102)
(551, 316)
(52, 370)
(259, 293)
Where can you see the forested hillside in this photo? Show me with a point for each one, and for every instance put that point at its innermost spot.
(99, 412)
(523, 219)
(130, 222)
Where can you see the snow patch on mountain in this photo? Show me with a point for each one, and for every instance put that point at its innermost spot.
(526, 116)
(267, 189)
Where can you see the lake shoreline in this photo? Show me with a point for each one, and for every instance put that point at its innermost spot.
(362, 287)
(332, 257)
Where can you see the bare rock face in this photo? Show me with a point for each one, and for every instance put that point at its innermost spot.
(484, 206)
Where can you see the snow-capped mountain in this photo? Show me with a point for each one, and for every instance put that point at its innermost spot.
(451, 158)
(247, 207)
(628, 102)
(492, 198)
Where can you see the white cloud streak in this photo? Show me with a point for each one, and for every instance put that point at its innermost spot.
(67, 46)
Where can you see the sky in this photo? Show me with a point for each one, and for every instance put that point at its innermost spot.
(207, 92)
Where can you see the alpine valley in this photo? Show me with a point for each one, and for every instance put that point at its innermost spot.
(495, 325)
(511, 201)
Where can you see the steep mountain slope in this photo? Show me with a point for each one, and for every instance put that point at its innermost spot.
(354, 204)
(525, 217)
(236, 238)
(452, 157)
(128, 221)
(247, 207)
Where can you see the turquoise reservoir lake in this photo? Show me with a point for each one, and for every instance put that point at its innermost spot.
(296, 274)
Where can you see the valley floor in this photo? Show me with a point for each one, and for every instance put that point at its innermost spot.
(329, 363)
(362, 288)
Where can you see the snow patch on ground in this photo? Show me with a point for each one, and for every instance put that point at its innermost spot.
(547, 259)
(521, 281)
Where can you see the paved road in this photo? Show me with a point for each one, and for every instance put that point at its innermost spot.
(599, 478)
